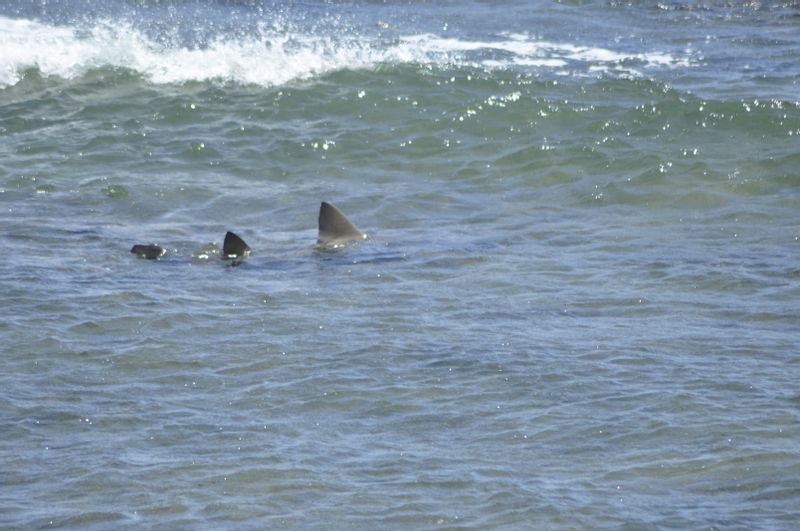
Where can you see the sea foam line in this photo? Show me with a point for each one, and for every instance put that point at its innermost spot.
(275, 56)
(526, 51)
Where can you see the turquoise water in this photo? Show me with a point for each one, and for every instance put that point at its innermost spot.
(579, 307)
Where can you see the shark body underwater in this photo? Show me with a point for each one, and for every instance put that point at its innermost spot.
(335, 231)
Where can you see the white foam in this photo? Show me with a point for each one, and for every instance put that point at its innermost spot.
(526, 51)
(275, 55)
(270, 58)
(26, 44)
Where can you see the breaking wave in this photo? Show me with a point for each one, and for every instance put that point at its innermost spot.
(275, 55)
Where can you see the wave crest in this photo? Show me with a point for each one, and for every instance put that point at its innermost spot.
(267, 58)
(275, 55)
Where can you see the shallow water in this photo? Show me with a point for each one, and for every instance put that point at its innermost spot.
(579, 306)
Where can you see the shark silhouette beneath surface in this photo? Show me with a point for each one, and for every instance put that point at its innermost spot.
(335, 231)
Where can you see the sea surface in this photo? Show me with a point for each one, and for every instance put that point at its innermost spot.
(579, 307)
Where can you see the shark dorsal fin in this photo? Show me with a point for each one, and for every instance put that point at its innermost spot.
(234, 248)
(335, 229)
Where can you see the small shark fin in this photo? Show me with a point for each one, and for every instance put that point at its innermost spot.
(234, 248)
(335, 229)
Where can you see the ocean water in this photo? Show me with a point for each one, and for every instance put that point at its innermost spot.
(580, 306)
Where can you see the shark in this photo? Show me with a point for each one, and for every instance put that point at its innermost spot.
(335, 232)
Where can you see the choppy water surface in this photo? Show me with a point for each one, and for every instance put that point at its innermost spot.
(579, 307)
